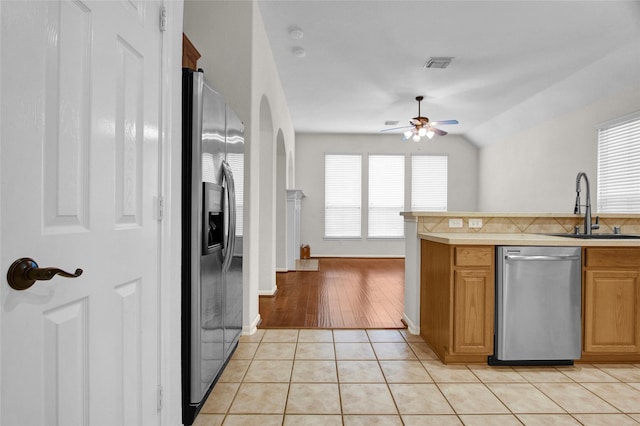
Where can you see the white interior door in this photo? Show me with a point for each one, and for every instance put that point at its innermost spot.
(80, 95)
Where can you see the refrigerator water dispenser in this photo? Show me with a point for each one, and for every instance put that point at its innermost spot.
(212, 221)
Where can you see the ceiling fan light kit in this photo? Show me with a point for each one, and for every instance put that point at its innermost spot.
(421, 126)
(417, 136)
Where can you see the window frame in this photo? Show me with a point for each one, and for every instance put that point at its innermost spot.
(608, 125)
(368, 191)
(411, 182)
(324, 210)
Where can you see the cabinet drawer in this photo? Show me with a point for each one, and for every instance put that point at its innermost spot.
(473, 256)
(612, 257)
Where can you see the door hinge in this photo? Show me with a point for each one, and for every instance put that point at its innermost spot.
(160, 208)
(163, 19)
(159, 397)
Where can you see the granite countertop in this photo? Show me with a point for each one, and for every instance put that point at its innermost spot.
(467, 238)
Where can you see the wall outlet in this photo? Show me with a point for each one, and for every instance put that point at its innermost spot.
(455, 223)
(475, 223)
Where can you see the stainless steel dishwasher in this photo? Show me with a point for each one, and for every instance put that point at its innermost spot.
(538, 305)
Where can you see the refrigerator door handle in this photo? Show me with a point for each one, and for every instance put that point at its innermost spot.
(231, 211)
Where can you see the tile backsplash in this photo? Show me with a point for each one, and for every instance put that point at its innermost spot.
(524, 224)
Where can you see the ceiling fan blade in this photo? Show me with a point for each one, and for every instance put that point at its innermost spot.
(437, 131)
(395, 128)
(438, 123)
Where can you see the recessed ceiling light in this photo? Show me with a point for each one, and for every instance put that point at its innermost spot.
(295, 33)
(299, 52)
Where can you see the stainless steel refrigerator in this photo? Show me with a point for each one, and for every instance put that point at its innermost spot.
(212, 191)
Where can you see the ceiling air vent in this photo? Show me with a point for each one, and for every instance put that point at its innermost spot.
(439, 62)
(391, 122)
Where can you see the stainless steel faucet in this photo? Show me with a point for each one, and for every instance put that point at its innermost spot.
(588, 227)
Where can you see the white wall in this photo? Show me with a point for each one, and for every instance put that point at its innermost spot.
(310, 150)
(281, 205)
(266, 85)
(238, 61)
(531, 153)
(535, 170)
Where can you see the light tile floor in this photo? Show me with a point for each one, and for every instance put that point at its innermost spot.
(388, 377)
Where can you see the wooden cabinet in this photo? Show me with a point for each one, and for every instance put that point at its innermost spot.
(611, 304)
(473, 311)
(457, 301)
(190, 54)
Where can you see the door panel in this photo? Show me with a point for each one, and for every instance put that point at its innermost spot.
(67, 120)
(473, 311)
(612, 311)
(79, 172)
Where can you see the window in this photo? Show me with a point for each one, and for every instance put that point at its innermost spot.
(386, 196)
(342, 196)
(428, 183)
(619, 166)
(236, 162)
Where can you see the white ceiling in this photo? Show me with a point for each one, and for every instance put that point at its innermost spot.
(364, 60)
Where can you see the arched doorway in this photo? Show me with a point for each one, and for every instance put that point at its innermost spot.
(281, 204)
(266, 207)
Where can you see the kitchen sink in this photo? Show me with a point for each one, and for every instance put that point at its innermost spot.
(599, 236)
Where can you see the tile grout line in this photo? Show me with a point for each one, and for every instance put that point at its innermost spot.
(335, 359)
(580, 383)
(241, 381)
(528, 380)
(386, 381)
(286, 401)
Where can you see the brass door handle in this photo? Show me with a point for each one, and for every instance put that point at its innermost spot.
(24, 272)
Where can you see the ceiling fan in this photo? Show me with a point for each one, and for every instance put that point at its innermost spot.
(421, 126)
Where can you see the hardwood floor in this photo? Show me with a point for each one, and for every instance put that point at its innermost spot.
(343, 293)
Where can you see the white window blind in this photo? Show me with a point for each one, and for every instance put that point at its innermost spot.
(236, 162)
(619, 167)
(428, 183)
(342, 196)
(386, 196)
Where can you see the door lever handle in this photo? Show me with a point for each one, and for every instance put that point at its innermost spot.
(24, 272)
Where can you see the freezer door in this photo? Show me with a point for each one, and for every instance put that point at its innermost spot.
(207, 287)
(213, 134)
(538, 303)
(209, 359)
(233, 278)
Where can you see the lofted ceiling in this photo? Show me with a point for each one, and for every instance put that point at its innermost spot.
(364, 61)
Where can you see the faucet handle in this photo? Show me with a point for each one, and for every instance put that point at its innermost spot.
(597, 224)
(616, 230)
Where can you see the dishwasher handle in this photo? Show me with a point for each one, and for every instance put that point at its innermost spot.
(540, 257)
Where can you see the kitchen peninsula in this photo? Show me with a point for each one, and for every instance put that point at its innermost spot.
(450, 280)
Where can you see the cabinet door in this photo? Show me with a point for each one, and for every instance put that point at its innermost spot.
(611, 311)
(473, 306)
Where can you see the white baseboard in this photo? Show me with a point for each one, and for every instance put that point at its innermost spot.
(282, 270)
(268, 292)
(250, 329)
(411, 327)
